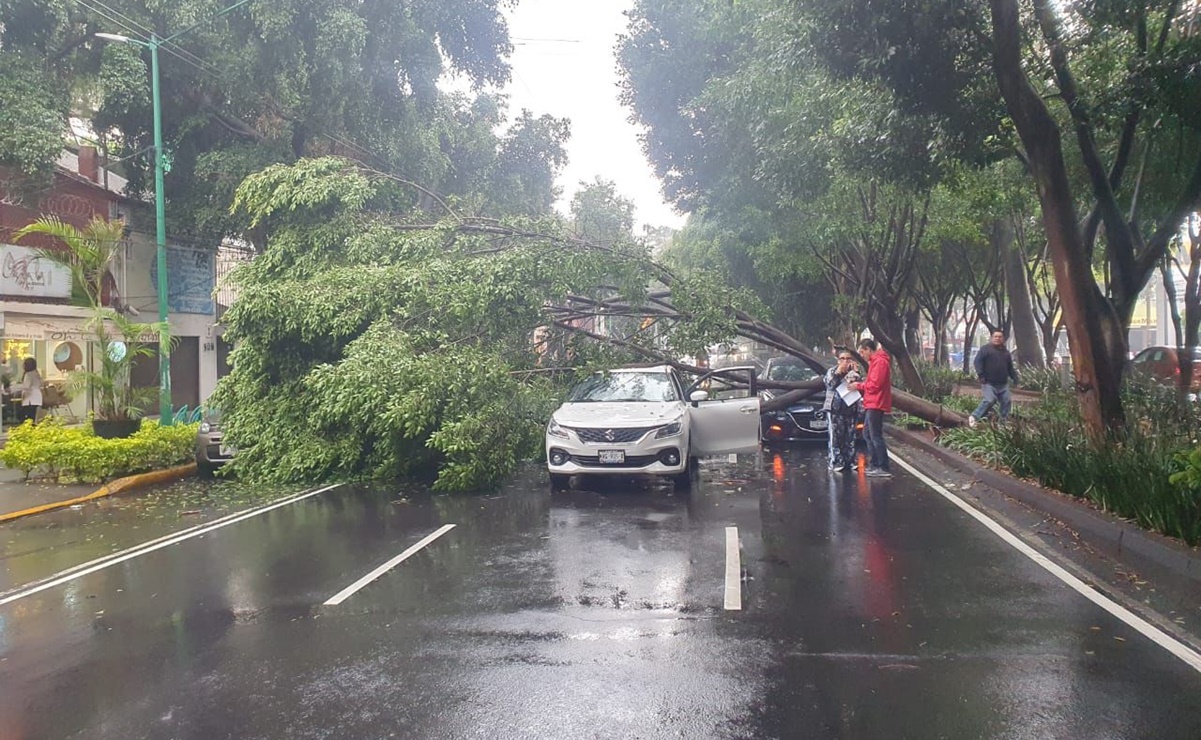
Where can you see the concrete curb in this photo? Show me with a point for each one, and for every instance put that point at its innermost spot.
(121, 485)
(1124, 541)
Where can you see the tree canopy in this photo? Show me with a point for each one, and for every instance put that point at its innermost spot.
(274, 82)
(373, 340)
(785, 104)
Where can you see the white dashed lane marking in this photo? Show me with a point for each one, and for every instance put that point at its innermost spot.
(350, 590)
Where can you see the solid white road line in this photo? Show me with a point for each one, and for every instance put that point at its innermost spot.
(1148, 630)
(733, 570)
(157, 544)
(347, 592)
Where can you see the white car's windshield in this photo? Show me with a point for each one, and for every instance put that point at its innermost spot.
(614, 387)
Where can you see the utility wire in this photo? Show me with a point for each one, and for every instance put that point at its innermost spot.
(144, 33)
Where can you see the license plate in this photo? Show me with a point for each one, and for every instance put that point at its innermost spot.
(819, 424)
(224, 451)
(612, 456)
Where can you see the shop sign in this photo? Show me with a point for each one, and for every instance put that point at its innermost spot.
(27, 274)
(60, 329)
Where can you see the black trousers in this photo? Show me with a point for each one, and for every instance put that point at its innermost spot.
(873, 431)
(28, 412)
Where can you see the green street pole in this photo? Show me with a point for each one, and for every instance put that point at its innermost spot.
(166, 418)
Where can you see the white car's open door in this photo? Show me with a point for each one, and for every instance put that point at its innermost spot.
(727, 420)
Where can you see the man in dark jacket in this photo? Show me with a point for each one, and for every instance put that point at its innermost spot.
(994, 368)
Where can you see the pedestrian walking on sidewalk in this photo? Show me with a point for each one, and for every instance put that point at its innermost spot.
(877, 401)
(840, 415)
(31, 392)
(994, 368)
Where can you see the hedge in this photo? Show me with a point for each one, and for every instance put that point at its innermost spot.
(75, 454)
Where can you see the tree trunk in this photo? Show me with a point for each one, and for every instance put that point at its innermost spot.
(1169, 289)
(1050, 332)
(936, 414)
(1192, 308)
(1115, 328)
(940, 340)
(1025, 329)
(891, 338)
(913, 334)
(932, 412)
(784, 400)
(909, 373)
(1097, 384)
(969, 341)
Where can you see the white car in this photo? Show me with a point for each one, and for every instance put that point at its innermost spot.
(645, 421)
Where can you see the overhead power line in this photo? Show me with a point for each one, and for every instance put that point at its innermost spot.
(143, 33)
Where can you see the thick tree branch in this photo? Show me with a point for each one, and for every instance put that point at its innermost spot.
(1117, 233)
(1157, 245)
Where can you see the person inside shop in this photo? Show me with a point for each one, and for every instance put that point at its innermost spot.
(31, 392)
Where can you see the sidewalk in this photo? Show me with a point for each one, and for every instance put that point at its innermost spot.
(17, 495)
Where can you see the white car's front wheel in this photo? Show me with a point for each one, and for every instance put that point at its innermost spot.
(685, 477)
(559, 481)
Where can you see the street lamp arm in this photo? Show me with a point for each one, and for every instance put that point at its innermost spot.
(121, 39)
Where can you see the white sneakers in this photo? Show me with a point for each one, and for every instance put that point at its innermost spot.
(972, 421)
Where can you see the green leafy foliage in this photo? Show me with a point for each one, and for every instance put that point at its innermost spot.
(602, 216)
(1043, 379)
(909, 422)
(1187, 478)
(32, 116)
(75, 454)
(367, 348)
(276, 82)
(938, 381)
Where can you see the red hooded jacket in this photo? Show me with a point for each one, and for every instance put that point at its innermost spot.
(877, 386)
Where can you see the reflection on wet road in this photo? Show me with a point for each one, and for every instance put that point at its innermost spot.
(869, 608)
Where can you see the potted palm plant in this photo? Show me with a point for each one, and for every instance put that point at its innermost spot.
(90, 255)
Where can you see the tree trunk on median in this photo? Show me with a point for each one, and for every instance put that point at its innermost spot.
(1025, 330)
(1097, 382)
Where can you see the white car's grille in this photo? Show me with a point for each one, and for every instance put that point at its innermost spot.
(602, 435)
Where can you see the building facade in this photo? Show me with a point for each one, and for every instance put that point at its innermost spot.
(38, 317)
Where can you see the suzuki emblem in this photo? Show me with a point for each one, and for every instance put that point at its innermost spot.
(609, 435)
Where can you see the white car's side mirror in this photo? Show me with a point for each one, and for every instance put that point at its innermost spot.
(698, 396)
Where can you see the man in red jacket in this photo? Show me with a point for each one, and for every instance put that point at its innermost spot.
(877, 401)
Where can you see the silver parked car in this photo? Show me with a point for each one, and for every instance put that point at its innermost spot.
(211, 451)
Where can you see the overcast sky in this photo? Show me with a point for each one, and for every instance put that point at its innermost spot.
(563, 64)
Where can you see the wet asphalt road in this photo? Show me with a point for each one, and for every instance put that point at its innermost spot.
(869, 609)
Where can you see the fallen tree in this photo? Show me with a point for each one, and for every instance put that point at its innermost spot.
(372, 342)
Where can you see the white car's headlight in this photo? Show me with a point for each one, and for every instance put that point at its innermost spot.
(205, 427)
(554, 430)
(670, 430)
